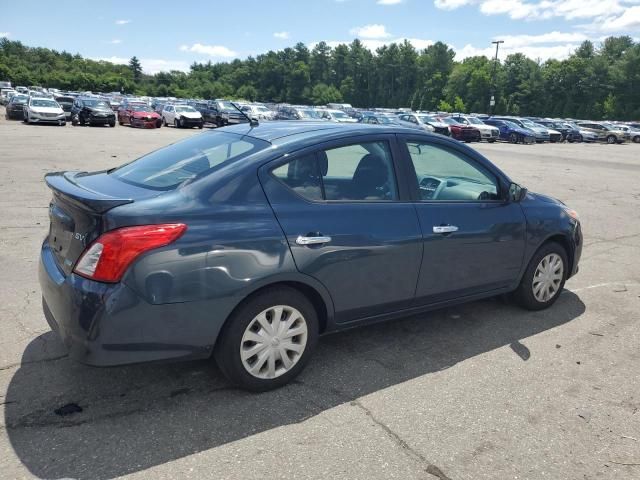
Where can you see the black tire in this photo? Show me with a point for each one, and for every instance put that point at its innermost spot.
(200, 125)
(130, 122)
(164, 122)
(74, 120)
(227, 350)
(611, 139)
(636, 139)
(81, 120)
(492, 140)
(513, 137)
(120, 121)
(159, 124)
(112, 123)
(524, 295)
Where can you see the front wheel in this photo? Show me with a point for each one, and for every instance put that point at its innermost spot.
(158, 123)
(611, 139)
(112, 123)
(268, 340)
(636, 139)
(544, 278)
(513, 137)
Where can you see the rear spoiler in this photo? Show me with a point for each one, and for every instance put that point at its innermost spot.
(66, 185)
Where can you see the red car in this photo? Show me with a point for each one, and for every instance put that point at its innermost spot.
(460, 131)
(139, 115)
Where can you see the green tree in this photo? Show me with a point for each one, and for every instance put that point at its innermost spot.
(136, 68)
(321, 94)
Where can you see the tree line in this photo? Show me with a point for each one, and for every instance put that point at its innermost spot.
(594, 82)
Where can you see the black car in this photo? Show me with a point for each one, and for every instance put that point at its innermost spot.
(15, 107)
(219, 112)
(66, 103)
(92, 111)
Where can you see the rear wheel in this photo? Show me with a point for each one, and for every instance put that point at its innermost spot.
(131, 121)
(513, 137)
(636, 139)
(81, 120)
(611, 139)
(544, 277)
(268, 340)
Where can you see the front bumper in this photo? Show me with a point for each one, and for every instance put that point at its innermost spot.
(146, 122)
(109, 324)
(96, 118)
(191, 122)
(41, 118)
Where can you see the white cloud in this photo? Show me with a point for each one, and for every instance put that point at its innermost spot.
(115, 41)
(211, 50)
(617, 15)
(5, 34)
(151, 65)
(374, 30)
(389, 2)
(451, 4)
(516, 41)
(281, 35)
(374, 44)
(535, 52)
(122, 22)
(628, 20)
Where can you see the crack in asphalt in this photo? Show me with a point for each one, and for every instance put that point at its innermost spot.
(31, 362)
(398, 440)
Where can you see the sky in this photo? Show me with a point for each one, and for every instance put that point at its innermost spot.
(172, 35)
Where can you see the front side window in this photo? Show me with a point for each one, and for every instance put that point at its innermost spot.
(446, 175)
(360, 172)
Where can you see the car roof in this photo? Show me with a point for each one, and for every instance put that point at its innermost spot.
(279, 130)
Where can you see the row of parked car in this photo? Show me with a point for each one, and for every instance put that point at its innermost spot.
(36, 105)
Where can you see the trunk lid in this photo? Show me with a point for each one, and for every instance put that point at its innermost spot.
(76, 211)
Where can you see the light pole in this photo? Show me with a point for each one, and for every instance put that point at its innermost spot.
(492, 100)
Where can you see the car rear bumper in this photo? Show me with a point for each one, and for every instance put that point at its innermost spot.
(109, 324)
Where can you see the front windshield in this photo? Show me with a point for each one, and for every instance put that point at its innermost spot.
(340, 115)
(426, 119)
(19, 99)
(65, 100)
(450, 121)
(169, 167)
(140, 108)
(304, 113)
(475, 121)
(43, 102)
(530, 124)
(97, 104)
(384, 120)
(226, 105)
(262, 109)
(185, 108)
(511, 124)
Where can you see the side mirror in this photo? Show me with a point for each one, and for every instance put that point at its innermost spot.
(517, 193)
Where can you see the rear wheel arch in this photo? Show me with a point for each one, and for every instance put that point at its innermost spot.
(320, 301)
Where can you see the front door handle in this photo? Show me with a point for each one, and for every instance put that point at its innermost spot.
(305, 240)
(445, 229)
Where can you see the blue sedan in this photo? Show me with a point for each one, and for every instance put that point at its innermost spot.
(247, 243)
(512, 132)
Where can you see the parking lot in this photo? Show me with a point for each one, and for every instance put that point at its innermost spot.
(480, 391)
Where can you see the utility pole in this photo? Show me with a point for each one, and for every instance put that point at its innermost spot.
(492, 100)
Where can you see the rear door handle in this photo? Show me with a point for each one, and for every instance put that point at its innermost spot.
(304, 240)
(445, 229)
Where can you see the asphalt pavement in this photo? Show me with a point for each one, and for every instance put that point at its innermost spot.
(479, 391)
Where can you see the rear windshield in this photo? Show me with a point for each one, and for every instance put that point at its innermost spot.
(167, 168)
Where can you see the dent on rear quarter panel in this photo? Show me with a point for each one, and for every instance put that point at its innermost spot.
(232, 242)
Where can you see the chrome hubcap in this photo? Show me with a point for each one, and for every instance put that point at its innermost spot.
(273, 342)
(548, 277)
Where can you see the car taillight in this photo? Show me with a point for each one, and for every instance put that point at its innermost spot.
(108, 257)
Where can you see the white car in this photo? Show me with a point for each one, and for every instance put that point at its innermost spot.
(258, 112)
(181, 116)
(44, 110)
(337, 116)
(487, 132)
(634, 132)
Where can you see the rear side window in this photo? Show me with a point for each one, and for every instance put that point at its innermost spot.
(362, 172)
(167, 168)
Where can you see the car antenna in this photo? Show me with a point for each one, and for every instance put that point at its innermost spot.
(252, 121)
